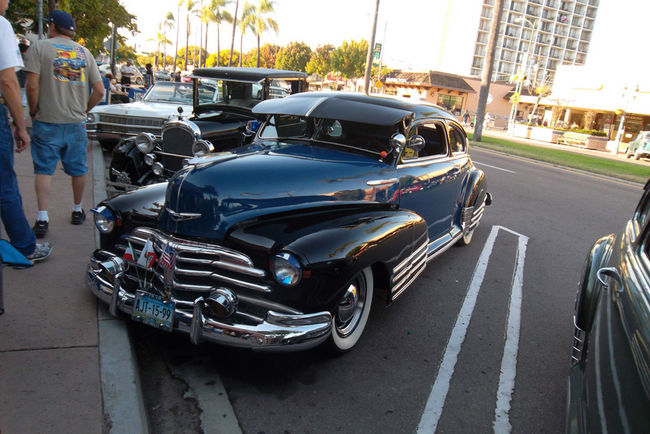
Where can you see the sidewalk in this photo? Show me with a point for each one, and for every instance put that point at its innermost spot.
(51, 342)
(501, 134)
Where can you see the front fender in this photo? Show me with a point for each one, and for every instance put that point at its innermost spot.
(127, 159)
(335, 245)
(590, 288)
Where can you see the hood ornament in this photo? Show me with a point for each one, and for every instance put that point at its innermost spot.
(182, 216)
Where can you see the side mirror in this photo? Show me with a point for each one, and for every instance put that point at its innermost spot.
(397, 142)
(417, 143)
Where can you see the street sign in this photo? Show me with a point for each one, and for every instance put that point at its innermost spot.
(376, 54)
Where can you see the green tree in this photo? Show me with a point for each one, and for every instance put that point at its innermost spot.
(193, 52)
(125, 53)
(350, 59)
(222, 58)
(293, 57)
(168, 24)
(244, 23)
(215, 13)
(320, 61)
(268, 55)
(258, 21)
(190, 8)
(92, 17)
(234, 28)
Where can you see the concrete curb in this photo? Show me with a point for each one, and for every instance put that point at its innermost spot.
(124, 409)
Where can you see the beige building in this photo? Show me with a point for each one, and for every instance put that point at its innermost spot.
(593, 98)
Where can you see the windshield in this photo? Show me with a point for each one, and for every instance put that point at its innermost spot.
(170, 92)
(352, 135)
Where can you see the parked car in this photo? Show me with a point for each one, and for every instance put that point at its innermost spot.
(162, 75)
(639, 147)
(218, 123)
(110, 123)
(286, 243)
(609, 377)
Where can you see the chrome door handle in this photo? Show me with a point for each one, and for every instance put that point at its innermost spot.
(604, 274)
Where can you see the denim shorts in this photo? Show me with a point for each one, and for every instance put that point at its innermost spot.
(54, 142)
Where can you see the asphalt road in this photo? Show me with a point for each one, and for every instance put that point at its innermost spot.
(479, 343)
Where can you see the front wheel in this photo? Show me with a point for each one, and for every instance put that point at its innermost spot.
(351, 314)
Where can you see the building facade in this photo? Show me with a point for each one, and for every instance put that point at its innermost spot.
(535, 37)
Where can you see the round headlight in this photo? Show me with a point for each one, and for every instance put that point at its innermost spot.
(158, 168)
(286, 269)
(201, 147)
(145, 142)
(104, 219)
(149, 159)
(91, 118)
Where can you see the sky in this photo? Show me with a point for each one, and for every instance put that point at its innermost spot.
(404, 27)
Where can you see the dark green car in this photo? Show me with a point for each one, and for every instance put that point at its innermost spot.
(640, 146)
(609, 380)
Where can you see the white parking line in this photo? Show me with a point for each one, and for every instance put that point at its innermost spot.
(435, 403)
(493, 167)
(509, 362)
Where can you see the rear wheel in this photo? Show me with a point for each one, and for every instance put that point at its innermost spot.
(351, 314)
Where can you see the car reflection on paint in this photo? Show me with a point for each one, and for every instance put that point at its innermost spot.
(286, 243)
(609, 381)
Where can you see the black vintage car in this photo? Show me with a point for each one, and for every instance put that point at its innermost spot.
(609, 377)
(222, 102)
(286, 243)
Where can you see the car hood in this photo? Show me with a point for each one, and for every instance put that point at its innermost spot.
(207, 199)
(143, 109)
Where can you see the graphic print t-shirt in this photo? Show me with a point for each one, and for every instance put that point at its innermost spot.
(66, 71)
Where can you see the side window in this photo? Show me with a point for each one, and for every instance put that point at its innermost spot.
(435, 143)
(457, 140)
(643, 210)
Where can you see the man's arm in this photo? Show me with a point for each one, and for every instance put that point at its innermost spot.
(33, 92)
(96, 95)
(10, 90)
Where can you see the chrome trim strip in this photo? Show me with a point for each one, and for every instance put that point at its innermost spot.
(413, 261)
(378, 182)
(217, 276)
(444, 248)
(405, 284)
(399, 267)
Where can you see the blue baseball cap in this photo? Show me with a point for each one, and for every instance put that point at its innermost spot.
(62, 19)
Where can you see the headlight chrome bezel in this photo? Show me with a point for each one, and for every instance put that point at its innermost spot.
(286, 269)
(145, 142)
(202, 147)
(104, 219)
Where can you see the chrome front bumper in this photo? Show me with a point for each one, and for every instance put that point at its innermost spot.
(278, 332)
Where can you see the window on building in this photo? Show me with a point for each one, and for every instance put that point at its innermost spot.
(453, 103)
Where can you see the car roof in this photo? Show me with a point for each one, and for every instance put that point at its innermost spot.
(246, 74)
(350, 106)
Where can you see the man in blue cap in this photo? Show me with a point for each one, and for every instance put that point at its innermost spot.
(59, 73)
(11, 205)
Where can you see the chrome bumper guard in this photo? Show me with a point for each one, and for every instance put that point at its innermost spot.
(279, 331)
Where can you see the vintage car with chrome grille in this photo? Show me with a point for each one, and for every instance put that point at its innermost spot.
(609, 375)
(218, 123)
(108, 124)
(286, 243)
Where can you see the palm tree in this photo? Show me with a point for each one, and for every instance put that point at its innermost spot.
(244, 23)
(168, 24)
(190, 6)
(216, 14)
(260, 24)
(234, 27)
(178, 14)
(199, 14)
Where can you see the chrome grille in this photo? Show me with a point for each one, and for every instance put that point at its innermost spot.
(129, 124)
(176, 146)
(199, 268)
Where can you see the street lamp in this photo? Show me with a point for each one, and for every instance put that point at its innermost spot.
(535, 26)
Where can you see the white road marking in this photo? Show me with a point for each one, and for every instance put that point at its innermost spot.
(435, 403)
(494, 167)
(509, 361)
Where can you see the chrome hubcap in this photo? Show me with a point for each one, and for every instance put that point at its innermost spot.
(350, 307)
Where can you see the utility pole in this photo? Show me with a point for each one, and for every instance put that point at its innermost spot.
(371, 48)
(488, 67)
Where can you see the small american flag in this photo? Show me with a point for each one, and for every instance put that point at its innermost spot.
(167, 258)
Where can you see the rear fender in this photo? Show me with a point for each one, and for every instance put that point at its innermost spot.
(476, 189)
(590, 287)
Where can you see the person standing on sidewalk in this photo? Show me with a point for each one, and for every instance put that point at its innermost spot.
(11, 204)
(59, 72)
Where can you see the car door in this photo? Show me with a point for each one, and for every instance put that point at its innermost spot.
(430, 181)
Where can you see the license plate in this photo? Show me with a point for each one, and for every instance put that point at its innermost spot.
(152, 310)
